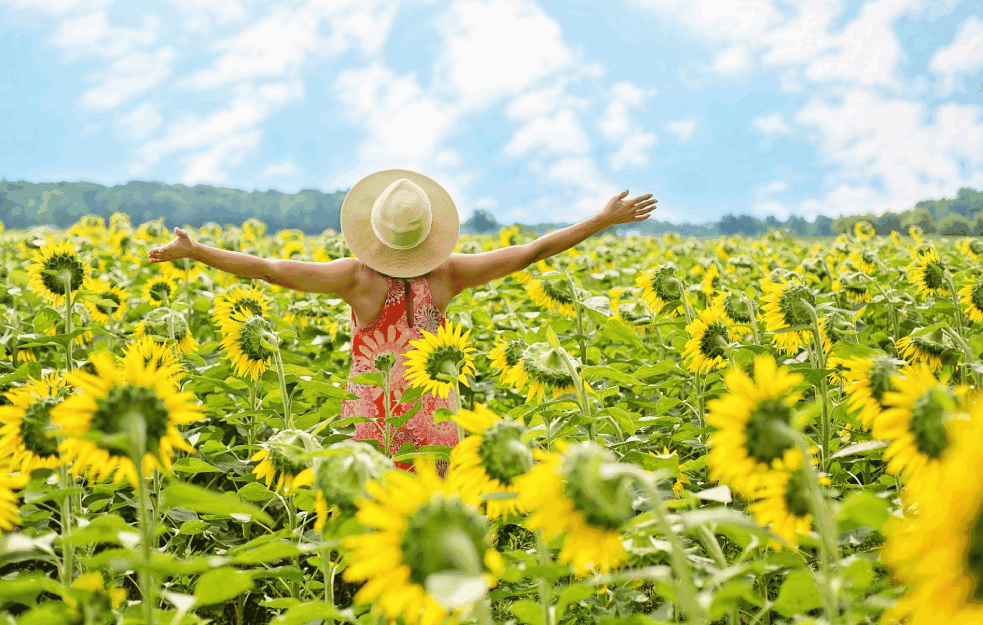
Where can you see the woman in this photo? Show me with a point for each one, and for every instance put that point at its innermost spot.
(402, 228)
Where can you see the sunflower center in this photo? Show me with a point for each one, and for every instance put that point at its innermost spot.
(933, 275)
(879, 378)
(976, 295)
(974, 558)
(65, 267)
(558, 291)
(791, 305)
(155, 324)
(513, 352)
(715, 338)
(928, 421)
(36, 424)
(108, 310)
(250, 338)
(503, 453)
(736, 308)
(443, 535)
(663, 285)
(796, 501)
(159, 291)
(443, 359)
(604, 502)
(761, 439)
(132, 399)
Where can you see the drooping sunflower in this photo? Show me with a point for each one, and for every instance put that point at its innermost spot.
(781, 498)
(971, 296)
(867, 379)
(421, 528)
(926, 350)
(784, 308)
(284, 460)
(863, 230)
(56, 266)
(936, 552)
(914, 421)
(341, 475)
(239, 298)
(928, 273)
(447, 352)
(243, 344)
(553, 295)
(854, 287)
(747, 443)
(160, 290)
(735, 312)
(490, 460)
(507, 358)
(109, 399)
(546, 370)
(568, 494)
(706, 349)
(155, 325)
(106, 290)
(659, 287)
(972, 247)
(27, 435)
(865, 260)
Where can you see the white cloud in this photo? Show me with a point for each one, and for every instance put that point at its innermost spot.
(486, 202)
(559, 134)
(772, 124)
(284, 168)
(964, 56)
(56, 6)
(545, 100)
(633, 152)
(139, 123)
(591, 191)
(129, 76)
(733, 60)
(616, 122)
(201, 16)
(93, 35)
(682, 128)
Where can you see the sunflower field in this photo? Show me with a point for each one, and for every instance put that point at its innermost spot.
(655, 430)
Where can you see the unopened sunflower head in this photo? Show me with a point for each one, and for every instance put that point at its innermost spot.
(341, 475)
(286, 460)
(56, 270)
(435, 357)
(547, 369)
(248, 343)
(158, 324)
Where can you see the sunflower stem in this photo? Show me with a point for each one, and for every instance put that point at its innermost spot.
(169, 317)
(817, 347)
(578, 384)
(278, 361)
(543, 549)
(138, 444)
(580, 319)
(68, 554)
(955, 302)
(457, 409)
(386, 436)
(754, 318)
(68, 325)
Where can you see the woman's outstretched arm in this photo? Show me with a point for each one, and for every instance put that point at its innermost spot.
(336, 277)
(471, 270)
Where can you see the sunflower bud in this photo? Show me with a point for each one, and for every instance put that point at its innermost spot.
(603, 500)
(341, 475)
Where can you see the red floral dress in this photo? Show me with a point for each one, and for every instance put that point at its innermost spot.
(392, 332)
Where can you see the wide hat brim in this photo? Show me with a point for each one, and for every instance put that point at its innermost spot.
(356, 226)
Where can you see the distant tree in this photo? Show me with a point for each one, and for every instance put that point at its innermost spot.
(888, 223)
(482, 222)
(954, 224)
(823, 226)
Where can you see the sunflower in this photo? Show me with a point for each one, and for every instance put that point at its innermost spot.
(856, 290)
(553, 295)
(707, 347)
(341, 475)
(680, 484)
(867, 379)
(936, 552)
(422, 528)
(914, 421)
(490, 461)
(507, 358)
(160, 290)
(915, 232)
(781, 498)
(972, 298)
(27, 438)
(55, 267)
(711, 279)
(785, 308)
(286, 453)
(926, 350)
(9, 510)
(446, 352)
(103, 289)
(161, 355)
(734, 311)
(243, 344)
(109, 400)
(522, 277)
(928, 273)
(304, 312)
(746, 442)
(865, 260)
(155, 325)
(546, 369)
(971, 247)
(659, 287)
(863, 230)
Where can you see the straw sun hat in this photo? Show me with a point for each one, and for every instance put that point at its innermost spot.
(400, 223)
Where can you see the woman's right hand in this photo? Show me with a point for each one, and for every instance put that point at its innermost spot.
(620, 210)
(183, 246)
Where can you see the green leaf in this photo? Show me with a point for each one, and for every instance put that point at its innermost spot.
(323, 389)
(845, 349)
(651, 462)
(254, 491)
(269, 552)
(619, 331)
(720, 494)
(398, 420)
(192, 528)
(442, 414)
(24, 588)
(860, 448)
(863, 509)
(309, 614)
(528, 612)
(209, 502)
(45, 318)
(618, 377)
(798, 595)
(220, 585)
(572, 594)
(411, 394)
(193, 465)
(373, 379)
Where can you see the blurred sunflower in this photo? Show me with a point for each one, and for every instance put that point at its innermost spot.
(553, 295)
(113, 395)
(284, 459)
(568, 494)
(734, 311)
(781, 498)
(507, 358)
(56, 266)
(447, 352)
(155, 325)
(9, 509)
(680, 484)
(936, 553)
(915, 232)
(867, 379)
(103, 289)
(928, 274)
(422, 528)
(341, 475)
(785, 307)
(160, 290)
(304, 312)
(489, 461)
(854, 287)
(706, 349)
(863, 230)
(865, 260)
(972, 247)
(972, 298)
(925, 350)
(242, 340)
(711, 280)
(659, 287)
(161, 355)
(747, 443)
(27, 435)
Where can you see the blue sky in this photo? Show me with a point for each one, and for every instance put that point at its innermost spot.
(535, 111)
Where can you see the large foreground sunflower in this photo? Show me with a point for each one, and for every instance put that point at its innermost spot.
(56, 267)
(422, 529)
(109, 399)
(747, 442)
(781, 498)
(446, 352)
(709, 341)
(936, 553)
(568, 495)
(785, 307)
(27, 436)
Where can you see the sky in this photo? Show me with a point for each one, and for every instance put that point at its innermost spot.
(533, 111)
